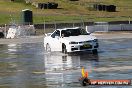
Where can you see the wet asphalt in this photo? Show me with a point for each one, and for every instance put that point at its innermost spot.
(27, 65)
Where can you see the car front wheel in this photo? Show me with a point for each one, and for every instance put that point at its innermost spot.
(48, 49)
(64, 50)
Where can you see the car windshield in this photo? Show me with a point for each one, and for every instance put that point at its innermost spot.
(73, 32)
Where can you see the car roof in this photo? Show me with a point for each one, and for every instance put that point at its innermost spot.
(68, 28)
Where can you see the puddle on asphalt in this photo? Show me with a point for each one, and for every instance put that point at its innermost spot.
(29, 66)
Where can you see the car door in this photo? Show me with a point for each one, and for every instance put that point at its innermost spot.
(55, 42)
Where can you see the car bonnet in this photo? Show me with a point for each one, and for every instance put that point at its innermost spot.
(80, 38)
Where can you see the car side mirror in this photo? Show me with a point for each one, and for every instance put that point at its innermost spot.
(48, 34)
(57, 37)
(62, 36)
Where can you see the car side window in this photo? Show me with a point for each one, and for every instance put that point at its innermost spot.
(56, 33)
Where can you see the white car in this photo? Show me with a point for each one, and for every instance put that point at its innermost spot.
(69, 40)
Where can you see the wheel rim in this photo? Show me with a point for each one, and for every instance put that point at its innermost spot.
(64, 49)
(48, 49)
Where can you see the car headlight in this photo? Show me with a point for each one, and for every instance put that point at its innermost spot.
(73, 42)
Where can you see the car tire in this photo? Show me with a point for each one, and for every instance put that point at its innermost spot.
(48, 49)
(95, 51)
(64, 50)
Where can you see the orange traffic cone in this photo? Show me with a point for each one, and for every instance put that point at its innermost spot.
(84, 79)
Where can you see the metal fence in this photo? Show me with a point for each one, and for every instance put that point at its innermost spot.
(89, 26)
(51, 26)
(109, 27)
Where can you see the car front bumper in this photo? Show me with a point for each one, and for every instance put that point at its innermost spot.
(82, 47)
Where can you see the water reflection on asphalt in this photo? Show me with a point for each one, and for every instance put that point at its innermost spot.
(29, 66)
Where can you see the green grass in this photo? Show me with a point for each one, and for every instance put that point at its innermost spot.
(69, 11)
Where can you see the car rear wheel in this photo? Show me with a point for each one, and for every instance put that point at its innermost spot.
(1, 35)
(95, 51)
(64, 50)
(48, 49)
